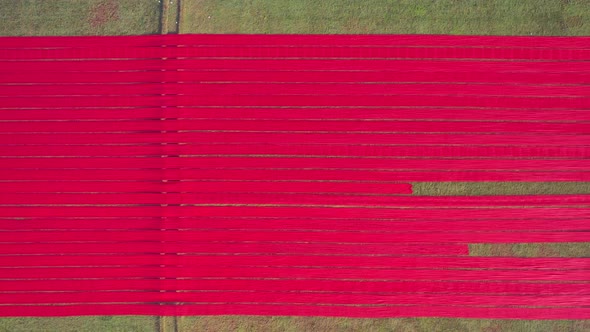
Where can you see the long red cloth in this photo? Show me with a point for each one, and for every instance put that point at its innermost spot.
(271, 175)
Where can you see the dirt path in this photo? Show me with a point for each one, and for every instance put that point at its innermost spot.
(170, 16)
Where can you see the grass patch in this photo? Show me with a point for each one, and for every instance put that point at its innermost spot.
(474, 17)
(80, 324)
(297, 324)
(531, 249)
(499, 188)
(78, 17)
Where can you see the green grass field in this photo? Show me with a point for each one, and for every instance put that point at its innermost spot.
(479, 17)
(494, 17)
(78, 17)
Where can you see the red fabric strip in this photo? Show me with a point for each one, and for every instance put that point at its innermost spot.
(295, 298)
(232, 261)
(249, 286)
(292, 162)
(333, 51)
(278, 174)
(329, 275)
(298, 310)
(296, 138)
(210, 186)
(375, 127)
(287, 236)
(273, 196)
(291, 40)
(298, 100)
(569, 152)
(246, 247)
(573, 70)
(299, 114)
(53, 187)
(283, 224)
(364, 89)
(439, 73)
(291, 212)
